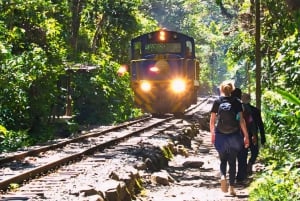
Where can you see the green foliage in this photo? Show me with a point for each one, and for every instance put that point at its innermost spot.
(28, 88)
(289, 97)
(106, 26)
(13, 187)
(281, 105)
(285, 67)
(280, 181)
(139, 184)
(3, 132)
(168, 14)
(33, 54)
(281, 184)
(167, 152)
(12, 140)
(101, 96)
(281, 113)
(280, 45)
(36, 40)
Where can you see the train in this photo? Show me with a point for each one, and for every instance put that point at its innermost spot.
(164, 72)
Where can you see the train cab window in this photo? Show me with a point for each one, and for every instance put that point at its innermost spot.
(188, 49)
(137, 50)
(157, 48)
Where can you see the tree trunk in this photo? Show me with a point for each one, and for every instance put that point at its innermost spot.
(77, 6)
(257, 54)
(98, 31)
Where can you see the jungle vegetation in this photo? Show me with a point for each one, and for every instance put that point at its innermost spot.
(46, 44)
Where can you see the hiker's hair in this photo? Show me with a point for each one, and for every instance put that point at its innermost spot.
(246, 98)
(237, 92)
(227, 87)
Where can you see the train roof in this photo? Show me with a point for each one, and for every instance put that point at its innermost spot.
(181, 35)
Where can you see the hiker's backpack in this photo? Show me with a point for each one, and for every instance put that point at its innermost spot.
(250, 121)
(227, 121)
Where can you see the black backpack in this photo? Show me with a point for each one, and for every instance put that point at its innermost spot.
(227, 121)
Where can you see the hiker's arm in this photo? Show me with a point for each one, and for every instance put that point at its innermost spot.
(244, 130)
(212, 126)
(260, 125)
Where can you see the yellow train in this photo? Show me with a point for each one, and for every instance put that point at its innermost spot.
(164, 72)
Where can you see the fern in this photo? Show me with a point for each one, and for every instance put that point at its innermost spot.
(289, 97)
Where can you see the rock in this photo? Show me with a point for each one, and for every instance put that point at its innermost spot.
(93, 198)
(180, 149)
(110, 189)
(114, 190)
(204, 150)
(162, 178)
(140, 166)
(130, 176)
(193, 164)
(114, 175)
(198, 139)
(89, 191)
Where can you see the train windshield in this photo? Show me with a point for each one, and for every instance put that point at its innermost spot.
(157, 48)
(161, 69)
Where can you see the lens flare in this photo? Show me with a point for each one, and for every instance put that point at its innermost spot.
(178, 85)
(145, 86)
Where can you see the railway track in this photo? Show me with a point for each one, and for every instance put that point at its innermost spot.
(37, 162)
(42, 160)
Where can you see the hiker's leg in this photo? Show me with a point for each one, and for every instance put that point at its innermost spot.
(223, 163)
(254, 153)
(242, 165)
(232, 166)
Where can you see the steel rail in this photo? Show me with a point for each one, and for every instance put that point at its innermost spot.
(17, 179)
(36, 151)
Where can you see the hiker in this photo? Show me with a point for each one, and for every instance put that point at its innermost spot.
(243, 153)
(255, 125)
(226, 122)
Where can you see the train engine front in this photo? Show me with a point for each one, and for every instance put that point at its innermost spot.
(164, 72)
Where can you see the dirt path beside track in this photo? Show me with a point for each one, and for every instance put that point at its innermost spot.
(193, 184)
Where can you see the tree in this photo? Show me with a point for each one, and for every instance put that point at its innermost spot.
(257, 54)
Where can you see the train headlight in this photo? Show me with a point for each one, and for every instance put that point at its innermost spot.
(154, 69)
(162, 35)
(145, 86)
(178, 86)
